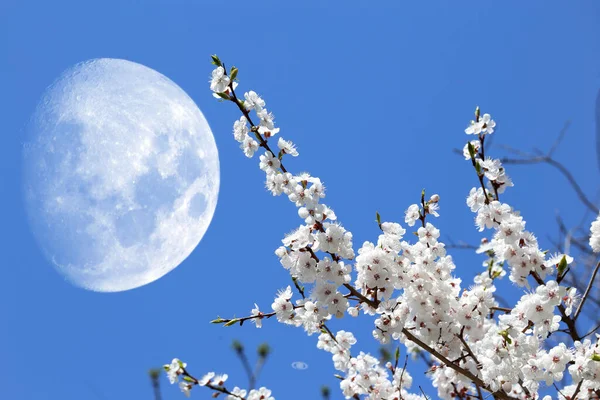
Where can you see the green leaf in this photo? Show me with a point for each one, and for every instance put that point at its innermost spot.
(378, 218)
(595, 357)
(471, 150)
(224, 95)
(216, 61)
(397, 355)
(562, 265)
(188, 379)
(478, 169)
(504, 334)
(477, 113)
(231, 322)
(219, 320)
(180, 364)
(233, 73)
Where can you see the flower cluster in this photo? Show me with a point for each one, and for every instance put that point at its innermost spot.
(474, 345)
(212, 381)
(319, 233)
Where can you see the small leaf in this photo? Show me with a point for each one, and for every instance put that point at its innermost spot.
(233, 73)
(188, 379)
(595, 357)
(397, 355)
(224, 95)
(471, 150)
(231, 322)
(378, 218)
(477, 114)
(504, 334)
(216, 61)
(562, 265)
(219, 320)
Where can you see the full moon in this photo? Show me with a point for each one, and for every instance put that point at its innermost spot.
(121, 175)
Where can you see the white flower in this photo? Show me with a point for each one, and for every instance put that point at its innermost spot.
(428, 234)
(261, 394)
(287, 147)
(258, 320)
(267, 123)
(174, 370)
(476, 145)
(476, 199)
(240, 129)
(269, 163)
(227, 91)
(253, 101)
(345, 339)
(282, 306)
(432, 208)
(249, 146)
(488, 124)
(393, 229)
(555, 259)
(205, 380)
(186, 388)
(571, 299)
(412, 215)
(485, 125)
(219, 380)
(491, 168)
(236, 393)
(595, 235)
(219, 81)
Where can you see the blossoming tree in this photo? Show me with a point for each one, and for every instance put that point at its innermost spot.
(476, 349)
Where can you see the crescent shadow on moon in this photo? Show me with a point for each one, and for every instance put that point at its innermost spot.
(121, 175)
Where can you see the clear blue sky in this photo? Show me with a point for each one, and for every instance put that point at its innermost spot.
(375, 95)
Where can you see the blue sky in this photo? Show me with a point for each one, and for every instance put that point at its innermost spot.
(375, 96)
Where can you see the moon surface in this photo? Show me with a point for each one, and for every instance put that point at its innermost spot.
(121, 175)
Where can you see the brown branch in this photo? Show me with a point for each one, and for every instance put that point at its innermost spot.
(587, 291)
(476, 380)
(566, 173)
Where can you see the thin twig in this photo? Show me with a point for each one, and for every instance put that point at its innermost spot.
(587, 291)
(567, 174)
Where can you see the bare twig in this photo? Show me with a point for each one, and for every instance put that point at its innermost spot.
(587, 291)
(566, 173)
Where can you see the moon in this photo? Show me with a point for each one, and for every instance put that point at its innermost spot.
(121, 175)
